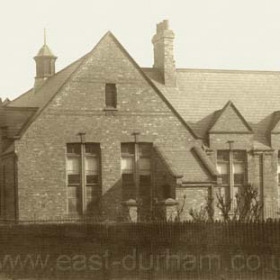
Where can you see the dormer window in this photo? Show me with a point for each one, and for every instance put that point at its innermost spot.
(110, 96)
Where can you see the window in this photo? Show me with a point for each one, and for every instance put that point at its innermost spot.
(239, 168)
(128, 168)
(144, 166)
(136, 170)
(83, 179)
(223, 166)
(166, 191)
(231, 166)
(110, 96)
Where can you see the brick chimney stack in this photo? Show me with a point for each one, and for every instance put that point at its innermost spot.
(163, 53)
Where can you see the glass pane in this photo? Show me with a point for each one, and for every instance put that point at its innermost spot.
(92, 203)
(239, 156)
(91, 163)
(225, 178)
(127, 163)
(73, 205)
(74, 148)
(89, 191)
(222, 155)
(145, 149)
(239, 179)
(91, 149)
(111, 95)
(73, 179)
(127, 179)
(144, 164)
(145, 180)
(127, 148)
(92, 179)
(73, 165)
(223, 168)
(73, 192)
(234, 199)
(166, 191)
(145, 188)
(223, 191)
(128, 186)
(238, 168)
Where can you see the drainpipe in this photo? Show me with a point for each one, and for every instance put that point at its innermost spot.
(82, 171)
(16, 187)
(262, 158)
(136, 160)
(231, 175)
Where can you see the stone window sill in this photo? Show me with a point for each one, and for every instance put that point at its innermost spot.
(110, 109)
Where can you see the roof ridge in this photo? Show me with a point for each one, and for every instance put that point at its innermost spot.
(214, 70)
(153, 85)
(226, 70)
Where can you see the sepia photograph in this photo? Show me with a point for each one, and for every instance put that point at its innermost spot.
(140, 140)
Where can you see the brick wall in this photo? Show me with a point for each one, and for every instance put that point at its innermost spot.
(79, 106)
(261, 167)
(8, 188)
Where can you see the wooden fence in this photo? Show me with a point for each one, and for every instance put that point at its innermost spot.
(185, 250)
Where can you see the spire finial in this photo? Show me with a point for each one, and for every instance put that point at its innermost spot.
(45, 37)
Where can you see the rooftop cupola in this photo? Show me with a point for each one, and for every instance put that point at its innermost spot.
(45, 64)
(163, 53)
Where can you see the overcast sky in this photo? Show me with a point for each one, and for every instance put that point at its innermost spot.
(216, 34)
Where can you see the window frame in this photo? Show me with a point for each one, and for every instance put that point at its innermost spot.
(82, 187)
(136, 170)
(232, 188)
(111, 97)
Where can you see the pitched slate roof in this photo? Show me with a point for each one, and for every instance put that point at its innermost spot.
(16, 117)
(255, 93)
(205, 160)
(41, 97)
(13, 119)
(201, 94)
(189, 164)
(275, 124)
(199, 97)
